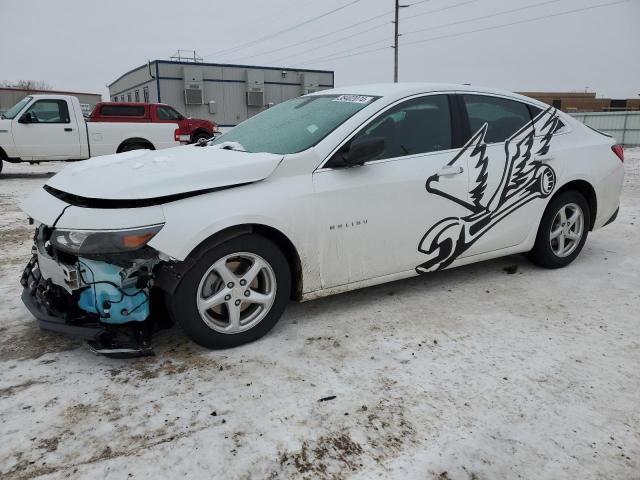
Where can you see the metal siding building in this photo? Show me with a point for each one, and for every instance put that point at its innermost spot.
(10, 96)
(225, 94)
(623, 126)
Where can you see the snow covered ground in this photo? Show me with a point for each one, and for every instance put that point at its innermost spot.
(472, 373)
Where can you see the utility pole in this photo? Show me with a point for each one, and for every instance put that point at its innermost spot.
(396, 37)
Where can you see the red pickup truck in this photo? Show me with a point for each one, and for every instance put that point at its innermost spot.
(190, 130)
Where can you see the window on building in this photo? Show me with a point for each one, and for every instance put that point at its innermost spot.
(49, 111)
(504, 117)
(122, 98)
(129, 97)
(137, 95)
(419, 125)
(145, 93)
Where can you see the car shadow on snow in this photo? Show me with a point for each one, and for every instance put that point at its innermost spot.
(32, 176)
(173, 344)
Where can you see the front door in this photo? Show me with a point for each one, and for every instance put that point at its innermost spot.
(46, 132)
(373, 219)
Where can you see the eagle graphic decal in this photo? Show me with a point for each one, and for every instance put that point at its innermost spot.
(524, 178)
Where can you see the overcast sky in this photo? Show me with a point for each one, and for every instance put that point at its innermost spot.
(84, 45)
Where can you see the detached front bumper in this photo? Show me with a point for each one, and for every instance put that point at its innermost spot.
(46, 303)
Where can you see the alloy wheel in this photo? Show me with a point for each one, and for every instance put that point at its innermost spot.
(236, 293)
(567, 229)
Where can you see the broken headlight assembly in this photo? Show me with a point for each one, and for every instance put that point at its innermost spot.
(87, 242)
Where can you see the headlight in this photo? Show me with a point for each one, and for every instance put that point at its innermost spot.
(79, 242)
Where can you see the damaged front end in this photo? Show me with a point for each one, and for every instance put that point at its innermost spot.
(95, 285)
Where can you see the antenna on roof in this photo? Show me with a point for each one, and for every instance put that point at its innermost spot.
(186, 56)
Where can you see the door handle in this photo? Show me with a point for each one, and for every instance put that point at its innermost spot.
(68, 129)
(450, 170)
(544, 158)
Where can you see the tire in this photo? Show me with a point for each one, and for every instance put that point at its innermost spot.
(1, 165)
(197, 136)
(133, 146)
(565, 246)
(208, 282)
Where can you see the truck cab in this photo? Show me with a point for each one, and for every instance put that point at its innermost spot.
(190, 129)
(52, 128)
(43, 126)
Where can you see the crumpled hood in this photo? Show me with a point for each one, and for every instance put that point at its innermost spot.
(145, 174)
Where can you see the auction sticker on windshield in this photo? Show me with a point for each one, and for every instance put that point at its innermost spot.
(353, 99)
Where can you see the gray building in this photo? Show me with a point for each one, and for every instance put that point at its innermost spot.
(225, 94)
(10, 96)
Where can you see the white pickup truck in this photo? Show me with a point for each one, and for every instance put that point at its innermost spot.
(51, 128)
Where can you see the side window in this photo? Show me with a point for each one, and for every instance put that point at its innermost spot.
(420, 125)
(122, 111)
(535, 111)
(167, 113)
(49, 111)
(505, 117)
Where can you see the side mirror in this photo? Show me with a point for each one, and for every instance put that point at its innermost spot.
(362, 150)
(26, 118)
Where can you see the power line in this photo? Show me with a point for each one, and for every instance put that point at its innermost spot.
(459, 34)
(505, 12)
(437, 10)
(386, 23)
(528, 20)
(348, 27)
(280, 32)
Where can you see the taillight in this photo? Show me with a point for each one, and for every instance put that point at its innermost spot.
(619, 151)
(176, 135)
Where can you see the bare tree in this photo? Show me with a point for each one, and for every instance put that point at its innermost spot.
(26, 84)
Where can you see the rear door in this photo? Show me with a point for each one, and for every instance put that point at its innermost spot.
(51, 134)
(372, 218)
(496, 222)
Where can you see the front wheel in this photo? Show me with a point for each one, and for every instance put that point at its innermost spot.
(562, 232)
(235, 293)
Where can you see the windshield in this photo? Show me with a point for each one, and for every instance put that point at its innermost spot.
(295, 125)
(15, 110)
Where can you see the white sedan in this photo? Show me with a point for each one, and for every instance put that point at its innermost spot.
(318, 195)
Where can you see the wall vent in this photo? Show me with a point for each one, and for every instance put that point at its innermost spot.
(255, 99)
(255, 88)
(193, 96)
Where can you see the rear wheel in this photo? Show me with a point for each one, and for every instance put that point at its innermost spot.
(134, 146)
(1, 164)
(199, 136)
(563, 231)
(235, 294)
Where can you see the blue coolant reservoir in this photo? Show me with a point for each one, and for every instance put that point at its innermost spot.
(106, 295)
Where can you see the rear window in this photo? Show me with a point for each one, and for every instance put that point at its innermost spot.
(122, 111)
(504, 116)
